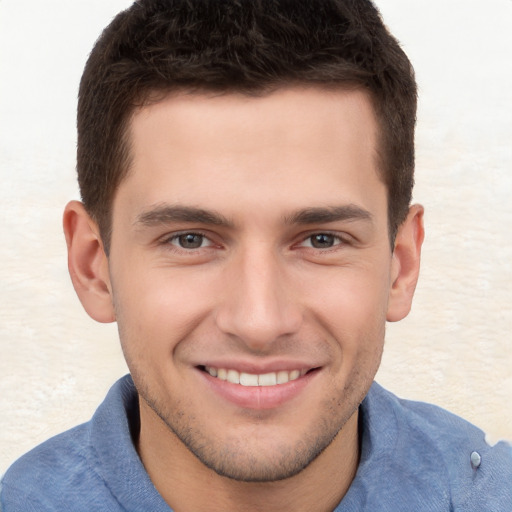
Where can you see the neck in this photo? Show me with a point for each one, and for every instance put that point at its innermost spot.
(186, 484)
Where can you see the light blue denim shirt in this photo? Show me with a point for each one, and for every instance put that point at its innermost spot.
(415, 457)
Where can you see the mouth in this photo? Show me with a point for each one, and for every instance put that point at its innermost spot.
(256, 380)
(268, 390)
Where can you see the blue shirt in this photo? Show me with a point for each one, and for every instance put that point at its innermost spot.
(414, 457)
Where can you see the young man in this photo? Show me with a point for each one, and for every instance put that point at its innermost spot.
(246, 171)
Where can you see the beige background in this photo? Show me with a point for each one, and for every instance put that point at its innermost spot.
(455, 349)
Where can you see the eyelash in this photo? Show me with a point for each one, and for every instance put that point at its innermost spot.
(168, 241)
(172, 241)
(338, 240)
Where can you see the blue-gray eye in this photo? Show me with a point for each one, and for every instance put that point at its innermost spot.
(322, 240)
(190, 240)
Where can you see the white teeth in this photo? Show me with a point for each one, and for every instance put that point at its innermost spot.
(233, 377)
(294, 374)
(250, 379)
(267, 379)
(283, 377)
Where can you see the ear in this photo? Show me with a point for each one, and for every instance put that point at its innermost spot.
(405, 266)
(88, 263)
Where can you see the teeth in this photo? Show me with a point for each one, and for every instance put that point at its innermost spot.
(294, 374)
(233, 377)
(267, 379)
(250, 379)
(283, 377)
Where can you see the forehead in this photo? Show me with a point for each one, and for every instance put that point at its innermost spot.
(292, 113)
(288, 147)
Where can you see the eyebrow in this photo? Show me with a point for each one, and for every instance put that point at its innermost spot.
(349, 212)
(166, 214)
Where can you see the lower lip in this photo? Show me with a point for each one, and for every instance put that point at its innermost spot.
(258, 397)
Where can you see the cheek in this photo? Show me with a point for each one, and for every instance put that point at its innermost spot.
(352, 307)
(351, 297)
(155, 310)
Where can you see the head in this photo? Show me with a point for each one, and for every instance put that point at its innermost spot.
(155, 48)
(243, 167)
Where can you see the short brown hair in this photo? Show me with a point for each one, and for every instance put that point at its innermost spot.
(252, 47)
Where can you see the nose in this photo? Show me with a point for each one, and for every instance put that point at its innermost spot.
(259, 305)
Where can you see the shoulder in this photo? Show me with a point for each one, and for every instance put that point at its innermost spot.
(67, 471)
(43, 474)
(438, 445)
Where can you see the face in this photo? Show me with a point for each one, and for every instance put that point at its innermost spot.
(250, 270)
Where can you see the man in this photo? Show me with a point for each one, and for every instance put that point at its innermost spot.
(246, 172)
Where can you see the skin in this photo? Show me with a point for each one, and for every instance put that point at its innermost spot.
(252, 234)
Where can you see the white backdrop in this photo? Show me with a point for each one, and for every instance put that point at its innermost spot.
(455, 349)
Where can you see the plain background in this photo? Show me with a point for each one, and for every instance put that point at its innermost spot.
(455, 349)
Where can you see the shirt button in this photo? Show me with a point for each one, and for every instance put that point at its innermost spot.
(476, 460)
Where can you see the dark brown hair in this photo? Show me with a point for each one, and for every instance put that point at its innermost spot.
(247, 46)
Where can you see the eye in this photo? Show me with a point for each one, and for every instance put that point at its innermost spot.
(190, 241)
(322, 241)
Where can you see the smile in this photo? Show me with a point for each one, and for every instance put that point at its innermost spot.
(249, 379)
